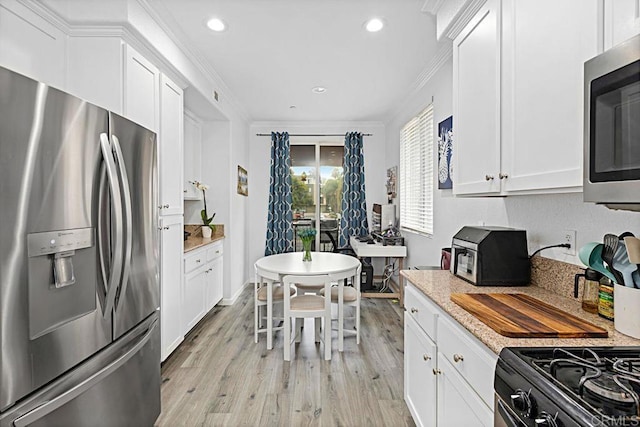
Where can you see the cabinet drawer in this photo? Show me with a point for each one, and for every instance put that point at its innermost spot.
(423, 311)
(214, 251)
(194, 260)
(472, 359)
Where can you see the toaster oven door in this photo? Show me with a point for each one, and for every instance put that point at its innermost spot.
(465, 263)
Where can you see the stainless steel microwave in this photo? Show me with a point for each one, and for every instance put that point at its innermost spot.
(612, 127)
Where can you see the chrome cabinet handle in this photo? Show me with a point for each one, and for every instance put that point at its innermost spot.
(436, 371)
(503, 175)
(198, 261)
(166, 228)
(488, 177)
(414, 310)
(166, 206)
(458, 358)
(426, 358)
(184, 191)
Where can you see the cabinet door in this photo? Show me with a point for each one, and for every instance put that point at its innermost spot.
(214, 282)
(476, 104)
(193, 297)
(192, 156)
(419, 377)
(543, 57)
(141, 89)
(458, 404)
(621, 21)
(171, 250)
(170, 147)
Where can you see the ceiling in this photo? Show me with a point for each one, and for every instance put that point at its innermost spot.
(274, 52)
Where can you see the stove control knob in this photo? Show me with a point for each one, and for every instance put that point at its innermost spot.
(521, 402)
(546, 420)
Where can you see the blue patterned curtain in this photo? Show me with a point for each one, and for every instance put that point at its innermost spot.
(280, 217)
(353, 221)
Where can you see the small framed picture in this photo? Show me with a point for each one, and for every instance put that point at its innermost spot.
(243, 185)
(445, 147)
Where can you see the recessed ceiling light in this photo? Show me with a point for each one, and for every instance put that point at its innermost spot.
(373, 25)
(216, 24)
(319, 89)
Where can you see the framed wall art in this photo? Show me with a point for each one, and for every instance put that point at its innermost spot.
(243, 184)
(445, 147)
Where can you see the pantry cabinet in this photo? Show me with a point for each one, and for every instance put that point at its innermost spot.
(448, 373)
(518, 96)
(170, 147)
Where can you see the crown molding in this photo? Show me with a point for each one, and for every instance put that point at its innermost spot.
(203, 66)
(462, 18)
(444, 54)
(47, 14)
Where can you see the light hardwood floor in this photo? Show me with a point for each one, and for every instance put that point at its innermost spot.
(220, 377)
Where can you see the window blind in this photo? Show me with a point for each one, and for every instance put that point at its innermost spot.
(416, 173)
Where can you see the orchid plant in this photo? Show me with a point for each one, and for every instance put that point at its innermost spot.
(206, 220)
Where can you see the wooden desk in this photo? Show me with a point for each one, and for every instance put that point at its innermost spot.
(377, 250)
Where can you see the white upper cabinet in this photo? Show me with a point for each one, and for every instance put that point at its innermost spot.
(192, 156)
(30, 45)
(476, 103)
(621, 21)
(141, 89)
(170, 147)
(518, 96)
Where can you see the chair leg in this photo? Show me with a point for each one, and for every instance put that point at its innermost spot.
(358, 323)
(327, 335)
(299, 326)
(287, 339)
(341, 323)
(316, 322)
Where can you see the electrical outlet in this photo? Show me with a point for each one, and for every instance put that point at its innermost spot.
(570, 238)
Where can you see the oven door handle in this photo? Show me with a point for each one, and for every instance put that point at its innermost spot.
(505, 417)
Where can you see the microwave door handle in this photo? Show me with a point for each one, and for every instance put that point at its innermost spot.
(128, 216)
(116, 200)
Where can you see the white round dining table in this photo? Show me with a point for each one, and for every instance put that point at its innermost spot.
(273, 268)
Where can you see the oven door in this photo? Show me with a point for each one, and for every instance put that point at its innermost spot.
(504, 416)
(612, 125)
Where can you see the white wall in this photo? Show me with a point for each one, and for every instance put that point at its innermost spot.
(545, 217)
(260, 163)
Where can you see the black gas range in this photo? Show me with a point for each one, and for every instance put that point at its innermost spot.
(569, 386)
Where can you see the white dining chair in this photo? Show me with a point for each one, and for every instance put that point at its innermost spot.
(261, 301)
(302, 306)
(350, 298)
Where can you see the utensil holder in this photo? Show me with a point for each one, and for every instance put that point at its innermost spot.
(626, 301)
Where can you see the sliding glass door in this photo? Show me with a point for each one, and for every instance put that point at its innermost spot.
(316, 179)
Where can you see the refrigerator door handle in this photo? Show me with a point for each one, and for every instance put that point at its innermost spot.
(128, 216)
(116, 199)
(50, 406)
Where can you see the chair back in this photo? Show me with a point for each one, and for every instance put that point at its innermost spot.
(311, 280)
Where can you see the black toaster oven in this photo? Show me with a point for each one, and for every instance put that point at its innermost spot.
(491, 256)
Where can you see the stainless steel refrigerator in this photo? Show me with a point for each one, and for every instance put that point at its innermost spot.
(79, 285)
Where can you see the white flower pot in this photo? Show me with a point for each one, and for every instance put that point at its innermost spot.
(206, 232)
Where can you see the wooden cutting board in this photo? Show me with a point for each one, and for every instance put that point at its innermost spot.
(522, 316)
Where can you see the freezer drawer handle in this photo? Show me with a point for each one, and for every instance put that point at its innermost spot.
(66, 397)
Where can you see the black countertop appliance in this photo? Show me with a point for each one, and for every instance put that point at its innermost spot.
(491, 256)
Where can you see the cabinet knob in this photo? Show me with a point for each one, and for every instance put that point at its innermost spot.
(198, 261)
(217, 252)
(488, 177)
(458, 358)
(166, 228)
(184, 191)
(414, 310)
(159, 228)
(166, 206)
(503, 175)
(426, 358)
(436, 371)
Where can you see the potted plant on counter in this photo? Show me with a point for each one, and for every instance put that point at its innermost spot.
(207, 228)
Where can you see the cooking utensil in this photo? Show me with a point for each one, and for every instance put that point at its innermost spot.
(623, 266)
(591, 255)
(625, 234)
(609, 251)
(633, 252)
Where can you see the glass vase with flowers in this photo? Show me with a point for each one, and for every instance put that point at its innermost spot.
(307, 235)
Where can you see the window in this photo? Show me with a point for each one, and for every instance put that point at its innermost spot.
(316, 185)
(416, 173)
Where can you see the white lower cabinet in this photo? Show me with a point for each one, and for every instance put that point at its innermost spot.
(171, 250)
(448, 373)
(202, 283)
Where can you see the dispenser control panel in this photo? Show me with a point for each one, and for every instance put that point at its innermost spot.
(51, 242)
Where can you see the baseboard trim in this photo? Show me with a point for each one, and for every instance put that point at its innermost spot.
(232, 300)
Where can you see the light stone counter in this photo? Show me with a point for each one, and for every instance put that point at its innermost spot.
(438, 285)
(196, 241)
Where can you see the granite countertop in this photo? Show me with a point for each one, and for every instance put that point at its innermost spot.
(196, 241)
(438, 285)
